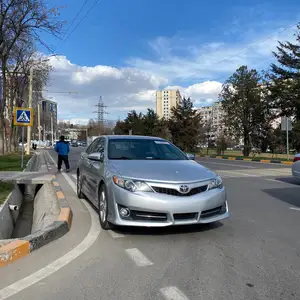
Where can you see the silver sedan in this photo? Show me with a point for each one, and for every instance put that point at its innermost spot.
(296, 166)
(147, 181)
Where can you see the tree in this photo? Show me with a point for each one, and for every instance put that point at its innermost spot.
(21, 22)
(221, 144)
(246, 109)
(284, 83)
(185, 125)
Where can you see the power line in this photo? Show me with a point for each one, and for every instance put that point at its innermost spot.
(76, 16)
(82, 20)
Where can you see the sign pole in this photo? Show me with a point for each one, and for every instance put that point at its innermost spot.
(29, 106)
(287, 138)
(22, 156)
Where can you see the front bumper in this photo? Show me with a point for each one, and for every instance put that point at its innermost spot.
(160, 210)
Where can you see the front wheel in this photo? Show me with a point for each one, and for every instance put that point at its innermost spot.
(79, 186)
(103, 208)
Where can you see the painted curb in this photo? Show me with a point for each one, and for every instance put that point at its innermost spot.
(263, 161)
(21, 247)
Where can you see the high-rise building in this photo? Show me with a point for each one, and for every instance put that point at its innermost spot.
(212, 117)
(48, 116)
(165, 100)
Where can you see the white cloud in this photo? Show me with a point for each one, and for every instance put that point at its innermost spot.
(202, 68)
(77, 89)
(189, 59)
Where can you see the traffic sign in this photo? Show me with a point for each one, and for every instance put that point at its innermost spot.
(286, 124)
(23, 116)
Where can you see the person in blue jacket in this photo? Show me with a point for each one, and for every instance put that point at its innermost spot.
(62, 148)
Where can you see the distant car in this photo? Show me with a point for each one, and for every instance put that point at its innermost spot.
(296, 166)
(74, 144)
(147, 181)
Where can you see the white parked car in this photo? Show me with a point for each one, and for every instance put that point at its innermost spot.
(296, 166)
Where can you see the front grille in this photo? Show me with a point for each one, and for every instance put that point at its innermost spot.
(173, 192)
(137, 215)
(212, 212)
(186, 216)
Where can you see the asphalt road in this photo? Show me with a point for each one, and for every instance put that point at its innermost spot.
(255, 254)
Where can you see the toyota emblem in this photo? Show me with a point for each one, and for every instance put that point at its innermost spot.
(184, 189)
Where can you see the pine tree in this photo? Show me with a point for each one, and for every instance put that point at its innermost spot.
(284, 77)
(185, 125)
(284, 85)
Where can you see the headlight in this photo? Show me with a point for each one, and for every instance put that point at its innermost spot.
(217, 183)
(132, 185)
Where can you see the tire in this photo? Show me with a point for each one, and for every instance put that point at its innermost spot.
(80, 195)
(103, 208)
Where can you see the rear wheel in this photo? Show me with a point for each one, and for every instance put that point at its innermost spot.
(103, 208)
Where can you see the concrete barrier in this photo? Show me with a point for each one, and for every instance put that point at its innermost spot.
(51, 218)
(8, 218)
(18, 248)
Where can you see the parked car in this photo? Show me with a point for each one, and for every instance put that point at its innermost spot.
(148, 181)
(296, 166)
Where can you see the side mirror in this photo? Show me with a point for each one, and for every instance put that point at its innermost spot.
(95, 156)
(190, 156)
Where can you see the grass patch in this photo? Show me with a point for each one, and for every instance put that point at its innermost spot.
(5, 189)
(10, 162)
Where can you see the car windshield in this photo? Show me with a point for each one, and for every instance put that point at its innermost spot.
(143, 149)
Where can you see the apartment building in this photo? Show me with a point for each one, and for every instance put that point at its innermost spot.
(212, 116)
(165, 100)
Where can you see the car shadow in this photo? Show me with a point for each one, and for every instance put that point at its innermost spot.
(290, 180)
(178, 229)
(288, 195)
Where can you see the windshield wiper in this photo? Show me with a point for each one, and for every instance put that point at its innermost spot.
(121, 157)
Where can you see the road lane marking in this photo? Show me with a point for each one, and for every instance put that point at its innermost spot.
(173, 293)
(239, 174)
(295, 208)
(223, 164)
(62, 261)
(115, 235)
(74, 176)
(138, 257)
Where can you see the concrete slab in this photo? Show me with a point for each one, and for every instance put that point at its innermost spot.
(26, 177)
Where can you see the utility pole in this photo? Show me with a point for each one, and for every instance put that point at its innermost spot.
(29, 105)
(100, 113)
(39, 120)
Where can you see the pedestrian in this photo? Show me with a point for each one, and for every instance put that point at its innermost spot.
(62, 149)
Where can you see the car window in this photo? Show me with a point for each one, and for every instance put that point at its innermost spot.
(100, 146)
(92, 146)
(143, 149)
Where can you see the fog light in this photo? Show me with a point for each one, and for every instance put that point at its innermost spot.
(223, 208)
(124, 212)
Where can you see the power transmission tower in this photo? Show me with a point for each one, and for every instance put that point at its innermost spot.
(100, 112)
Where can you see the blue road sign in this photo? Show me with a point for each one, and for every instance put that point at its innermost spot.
(23, 116)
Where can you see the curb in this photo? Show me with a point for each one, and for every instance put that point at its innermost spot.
(263, 161)
(21, 247)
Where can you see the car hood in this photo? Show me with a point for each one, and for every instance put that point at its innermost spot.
(163, 171)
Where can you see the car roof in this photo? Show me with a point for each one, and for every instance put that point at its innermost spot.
(136, 137)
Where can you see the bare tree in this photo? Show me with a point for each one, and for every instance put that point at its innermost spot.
(22, 21)
(21, 60)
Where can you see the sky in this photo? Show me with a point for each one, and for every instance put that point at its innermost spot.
(126, 50)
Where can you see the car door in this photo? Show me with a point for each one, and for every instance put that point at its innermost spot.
(85, 165)
(97, 170)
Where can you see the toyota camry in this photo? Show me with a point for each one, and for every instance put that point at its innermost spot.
(148, 181)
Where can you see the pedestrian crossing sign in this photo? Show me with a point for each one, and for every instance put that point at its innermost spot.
(23, 116)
